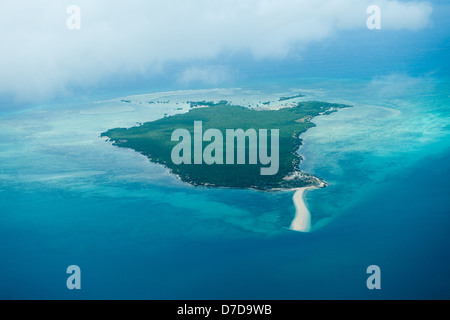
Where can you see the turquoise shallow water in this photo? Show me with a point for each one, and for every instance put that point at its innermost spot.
(69, 197)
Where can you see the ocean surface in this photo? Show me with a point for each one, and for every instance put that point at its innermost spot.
(69, 197)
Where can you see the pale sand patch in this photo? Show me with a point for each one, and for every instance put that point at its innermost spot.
(302, 219)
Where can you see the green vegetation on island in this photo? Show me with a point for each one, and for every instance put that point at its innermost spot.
(196, 104)
(153, 139)
(293, 97)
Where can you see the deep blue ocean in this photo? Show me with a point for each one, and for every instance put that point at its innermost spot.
(67, 197)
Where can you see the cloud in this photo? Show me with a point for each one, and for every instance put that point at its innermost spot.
(40, 56)
(205, 75)
(410, 16)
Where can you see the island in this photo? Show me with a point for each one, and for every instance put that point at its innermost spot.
(154, 140)
(292, 97)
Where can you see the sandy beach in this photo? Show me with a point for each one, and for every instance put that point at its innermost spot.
(302, 219)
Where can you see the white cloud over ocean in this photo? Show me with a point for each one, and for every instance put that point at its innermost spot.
(211, 74)
(41, 57)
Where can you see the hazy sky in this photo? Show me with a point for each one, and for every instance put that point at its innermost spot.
(41, 57)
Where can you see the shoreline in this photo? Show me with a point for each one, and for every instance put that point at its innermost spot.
(302, 219)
